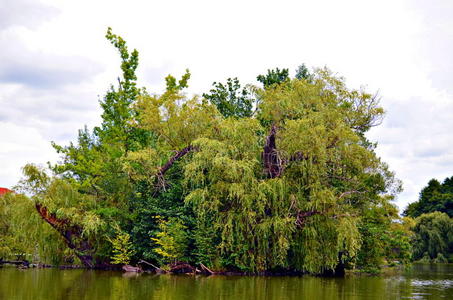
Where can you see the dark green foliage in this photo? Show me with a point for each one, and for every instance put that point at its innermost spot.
(434, 197)
(383, 239)
(150, 205)
(302, 72)
(230, 99)
(273, 77)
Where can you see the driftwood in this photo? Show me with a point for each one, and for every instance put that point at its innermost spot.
(158, 270)
(206, 270)
(129, 268)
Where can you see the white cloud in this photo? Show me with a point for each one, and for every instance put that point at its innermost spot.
(21, 145)
(401, 48)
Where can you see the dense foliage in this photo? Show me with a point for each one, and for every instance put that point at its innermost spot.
(433, 224)
(433, 237)
(435, 196)
(247, 178)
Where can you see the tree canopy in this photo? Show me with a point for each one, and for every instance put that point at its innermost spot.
(252, 179)
(434, 197)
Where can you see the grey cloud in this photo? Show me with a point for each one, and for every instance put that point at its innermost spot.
(415, 139)
(42, 70)
(28, 13)
(155, 76)
(23, 106)
(430, 152)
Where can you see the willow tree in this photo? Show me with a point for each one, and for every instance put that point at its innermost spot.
(23, 235)
(282, 189)
(71, 214)
(433, 236)
(286, 189)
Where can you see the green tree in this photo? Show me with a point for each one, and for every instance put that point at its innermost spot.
(435, 196)
(23, 235)
(122, 248)
(294, 186)
(172, 240)
(384, 237)
(295, 205)
(433, 235)
(70, 213)
(302, 72)
(273, 77)
(92, 188)
(230, 99)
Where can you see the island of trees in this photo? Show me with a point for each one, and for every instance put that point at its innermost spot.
(276, 177)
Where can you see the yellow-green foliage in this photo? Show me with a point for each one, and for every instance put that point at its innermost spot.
(259, 219)
(172, 240)
(23, 234)
(122, 248)
(61, 198)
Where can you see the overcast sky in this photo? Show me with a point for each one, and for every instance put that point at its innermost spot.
(55, 64)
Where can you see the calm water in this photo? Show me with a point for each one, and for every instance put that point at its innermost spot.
(420, 282)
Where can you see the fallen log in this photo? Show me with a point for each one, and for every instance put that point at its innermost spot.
(206, 270)
(15, 262)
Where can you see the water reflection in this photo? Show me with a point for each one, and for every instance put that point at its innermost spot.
(420, 282)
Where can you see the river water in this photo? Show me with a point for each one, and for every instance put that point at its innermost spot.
(418, 282)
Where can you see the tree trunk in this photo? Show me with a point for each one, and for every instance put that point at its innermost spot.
(271, 161)
(72, 235)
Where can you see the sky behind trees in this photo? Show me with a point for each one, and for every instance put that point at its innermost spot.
(55, 64)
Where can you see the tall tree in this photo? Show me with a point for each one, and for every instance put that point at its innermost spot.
(93, 188)
(435, 196)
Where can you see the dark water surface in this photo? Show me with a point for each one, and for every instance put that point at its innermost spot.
(419, 282)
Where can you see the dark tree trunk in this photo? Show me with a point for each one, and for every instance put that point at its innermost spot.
(72, 235)
(173, 159)
(160, 182)
(271, 161)
(340, 268)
